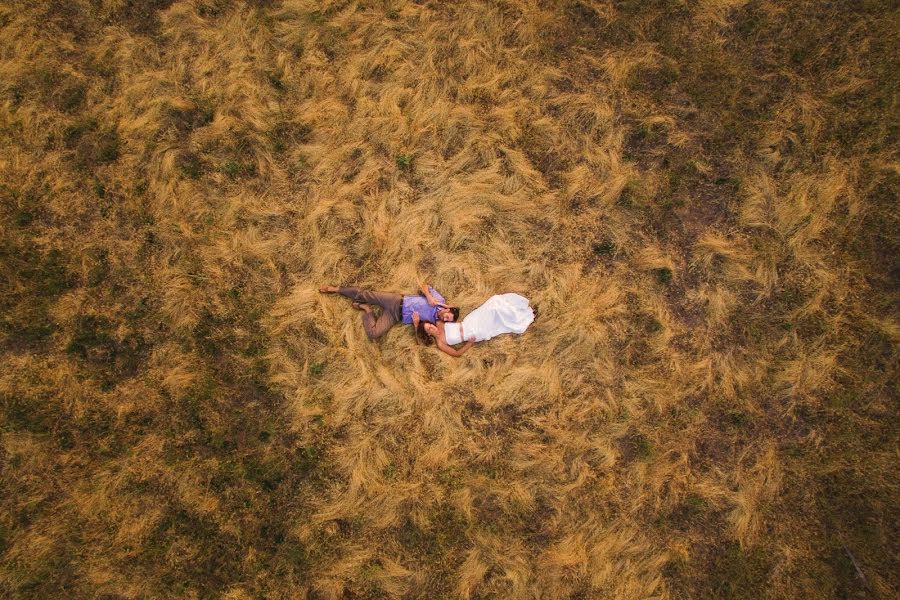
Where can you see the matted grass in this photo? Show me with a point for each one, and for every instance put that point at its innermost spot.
(698, 196)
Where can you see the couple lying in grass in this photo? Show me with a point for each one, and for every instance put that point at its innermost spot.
(434, 320)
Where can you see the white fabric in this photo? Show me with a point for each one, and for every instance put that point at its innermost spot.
(503, 313)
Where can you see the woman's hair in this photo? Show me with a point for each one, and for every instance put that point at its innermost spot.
(423, 335)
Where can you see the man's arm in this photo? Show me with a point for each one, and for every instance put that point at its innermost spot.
(423, 287)
(426, 291)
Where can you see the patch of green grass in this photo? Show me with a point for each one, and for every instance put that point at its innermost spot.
(92, 144)
(74, 132)
(635, 446)
(45, 80)
(92, 339)
(50, 275)
(211, 570)
(439, 544)
(184, 120)
(22, 412)
(41, 278)
(53, 87)
(141, 16)
(604, 249)
(733, 182)
(71, 97)
(190, 165)
(449, 477)
(285, 134)
(650, 132)
(651, 324)
(235, 169)
(316, 17)
(23, 217)
(737, 418)
(628, 196)
(643, 447)
(694, 503)
(267, 473)
(31, 328)
(211, 8)
(663, 275)
(404, 162)
(211, 336)
(99, 189)
(275, 81)
(232, 168)
(107, 148)
(306, 461)
(316, 368)
(736, 573)
(94, 343)
(100, 270)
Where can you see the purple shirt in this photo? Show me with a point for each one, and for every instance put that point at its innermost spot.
(419, 303)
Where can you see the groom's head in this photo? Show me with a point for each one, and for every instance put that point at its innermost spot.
(448, 314)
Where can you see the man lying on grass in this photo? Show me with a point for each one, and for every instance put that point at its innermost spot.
(410, 309)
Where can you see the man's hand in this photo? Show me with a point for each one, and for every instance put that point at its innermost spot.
(430, 298)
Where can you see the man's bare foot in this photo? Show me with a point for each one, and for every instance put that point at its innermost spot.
(328, 289)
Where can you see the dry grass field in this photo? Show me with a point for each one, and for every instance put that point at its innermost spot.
(698, 195)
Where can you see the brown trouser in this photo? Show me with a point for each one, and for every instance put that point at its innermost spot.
(391, 307)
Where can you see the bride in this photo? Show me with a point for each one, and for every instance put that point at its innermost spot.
(502, 313)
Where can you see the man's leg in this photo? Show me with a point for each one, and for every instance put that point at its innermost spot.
(390, 309)
(375, 328)
(386, 300)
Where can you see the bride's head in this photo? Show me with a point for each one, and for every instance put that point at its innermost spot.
(426, 331)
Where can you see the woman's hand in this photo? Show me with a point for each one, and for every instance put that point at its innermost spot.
(415, 318)
(454, 352)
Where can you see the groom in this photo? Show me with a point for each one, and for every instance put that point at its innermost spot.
(429, 306)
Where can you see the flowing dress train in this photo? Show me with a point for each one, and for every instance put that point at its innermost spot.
(503, 313)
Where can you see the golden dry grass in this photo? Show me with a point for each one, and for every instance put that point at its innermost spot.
(698, 196)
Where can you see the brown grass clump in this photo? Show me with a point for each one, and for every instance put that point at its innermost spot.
(699, 197)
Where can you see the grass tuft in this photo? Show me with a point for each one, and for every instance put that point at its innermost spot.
(663, 275)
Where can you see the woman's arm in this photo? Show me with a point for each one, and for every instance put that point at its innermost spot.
(442, 345)
(415, 318)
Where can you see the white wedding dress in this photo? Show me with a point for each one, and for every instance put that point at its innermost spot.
(503, 313)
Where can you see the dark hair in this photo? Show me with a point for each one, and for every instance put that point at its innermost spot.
(422, 334)
(455, 312)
